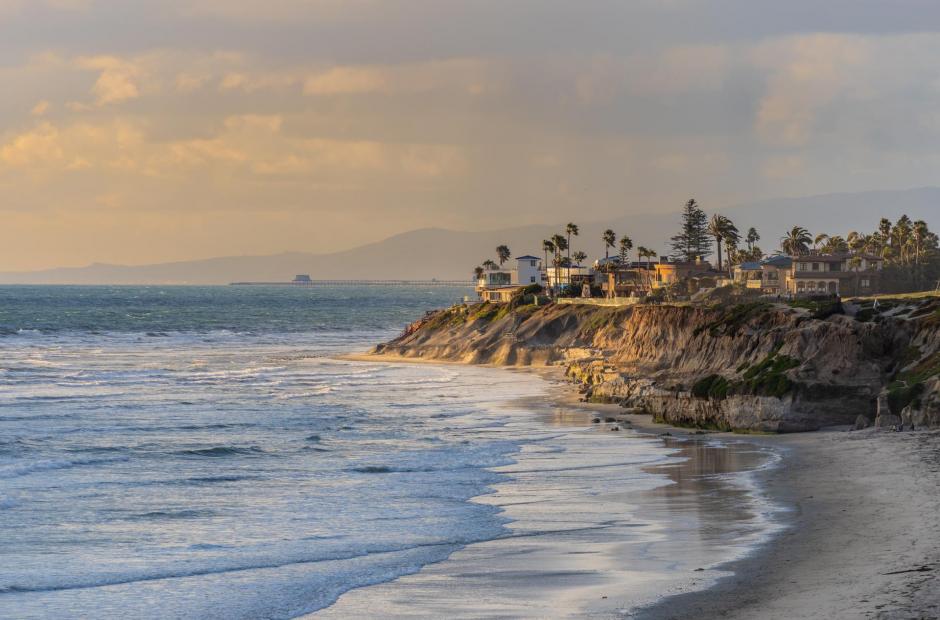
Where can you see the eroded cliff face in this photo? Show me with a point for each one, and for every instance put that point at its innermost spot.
(752, 366)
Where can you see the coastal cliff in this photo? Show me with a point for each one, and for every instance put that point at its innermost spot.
(752, 366)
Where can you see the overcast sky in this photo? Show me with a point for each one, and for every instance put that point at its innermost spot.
(137, 132)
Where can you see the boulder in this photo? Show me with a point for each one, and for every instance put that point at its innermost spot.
(887, 420)
(862, 422)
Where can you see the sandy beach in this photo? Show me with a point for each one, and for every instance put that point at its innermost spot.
(863, 538)
(859, 537)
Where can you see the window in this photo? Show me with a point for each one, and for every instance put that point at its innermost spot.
(532, 264)
(532, 279)
(835, 266)
(865, 283)
(803, 267)
(815, 266)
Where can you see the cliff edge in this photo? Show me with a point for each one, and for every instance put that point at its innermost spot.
(750, 366)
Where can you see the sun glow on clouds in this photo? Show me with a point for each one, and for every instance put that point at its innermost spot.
(441, 114)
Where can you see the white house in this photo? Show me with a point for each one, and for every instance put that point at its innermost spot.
(528, 271)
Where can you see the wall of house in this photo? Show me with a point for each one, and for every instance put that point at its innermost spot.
(528, 272)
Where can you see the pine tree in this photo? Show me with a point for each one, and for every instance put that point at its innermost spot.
(693, 240)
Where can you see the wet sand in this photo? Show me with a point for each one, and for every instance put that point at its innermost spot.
(860, 537)
(863, 539)
(593, 533)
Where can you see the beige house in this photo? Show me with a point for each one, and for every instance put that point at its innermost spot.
(669, 273)
(502, 294)
(815, 273)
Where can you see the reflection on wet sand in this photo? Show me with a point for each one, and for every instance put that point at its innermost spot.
(598, 522)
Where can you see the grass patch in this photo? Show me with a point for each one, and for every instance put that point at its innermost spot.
(908, 385)
(900, 395)
(820, 309)
(711, 387)
(768, 377)
(733, 319)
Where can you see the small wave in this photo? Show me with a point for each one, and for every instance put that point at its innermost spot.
(172, 514)
(24, 469)
(222, 451)
(373, 469)
(214, 479)
(314, 438)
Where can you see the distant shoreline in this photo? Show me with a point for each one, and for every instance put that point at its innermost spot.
(310, 283)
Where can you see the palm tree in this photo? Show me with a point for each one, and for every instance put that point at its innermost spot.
(610, 240)
(548, 247)
(835, 245)
(884, 237)
(796, 241)
(731, 240)
(570, 229)
(901, 238)
(855, 242)
(478, 272)
(626, 244)
(488, 264)
(752, 238)
(502, 254)
(561, 244)
(720, 227)
(855, 263)
(641, 253)
(579, 257)
(820, 238)
(920, 235)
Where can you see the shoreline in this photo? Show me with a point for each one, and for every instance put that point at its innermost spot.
(641, 504)
(859, 541)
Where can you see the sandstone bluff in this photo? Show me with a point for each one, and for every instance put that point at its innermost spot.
(750, 366)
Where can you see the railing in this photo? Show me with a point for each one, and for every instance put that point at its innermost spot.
(599, 301)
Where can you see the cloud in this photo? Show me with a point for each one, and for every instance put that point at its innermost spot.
(807, 73)
(40, 108)
(346, 80)
(117, 80)
(39, 146)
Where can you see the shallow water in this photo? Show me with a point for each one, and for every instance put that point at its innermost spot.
(199, 453)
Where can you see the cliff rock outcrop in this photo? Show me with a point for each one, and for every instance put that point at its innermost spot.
(750, 366)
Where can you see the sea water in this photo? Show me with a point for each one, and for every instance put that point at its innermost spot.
(201, 452)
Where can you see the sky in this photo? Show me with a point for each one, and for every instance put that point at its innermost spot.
(140, 132)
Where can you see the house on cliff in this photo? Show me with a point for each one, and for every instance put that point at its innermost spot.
(630, 279)
(816, 273)
(498, 284)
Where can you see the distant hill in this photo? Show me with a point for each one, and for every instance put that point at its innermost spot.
(448, 254)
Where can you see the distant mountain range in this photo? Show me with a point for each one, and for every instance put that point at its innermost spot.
(449, 255)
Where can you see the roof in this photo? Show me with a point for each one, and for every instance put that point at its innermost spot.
(749, 266)
(527, 257)
(778, 261)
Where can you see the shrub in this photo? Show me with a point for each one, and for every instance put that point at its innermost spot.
(900, 395)
(733, 319)
(768, 377)
(712, 386)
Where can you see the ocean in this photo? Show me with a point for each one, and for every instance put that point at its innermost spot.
(201, 452)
